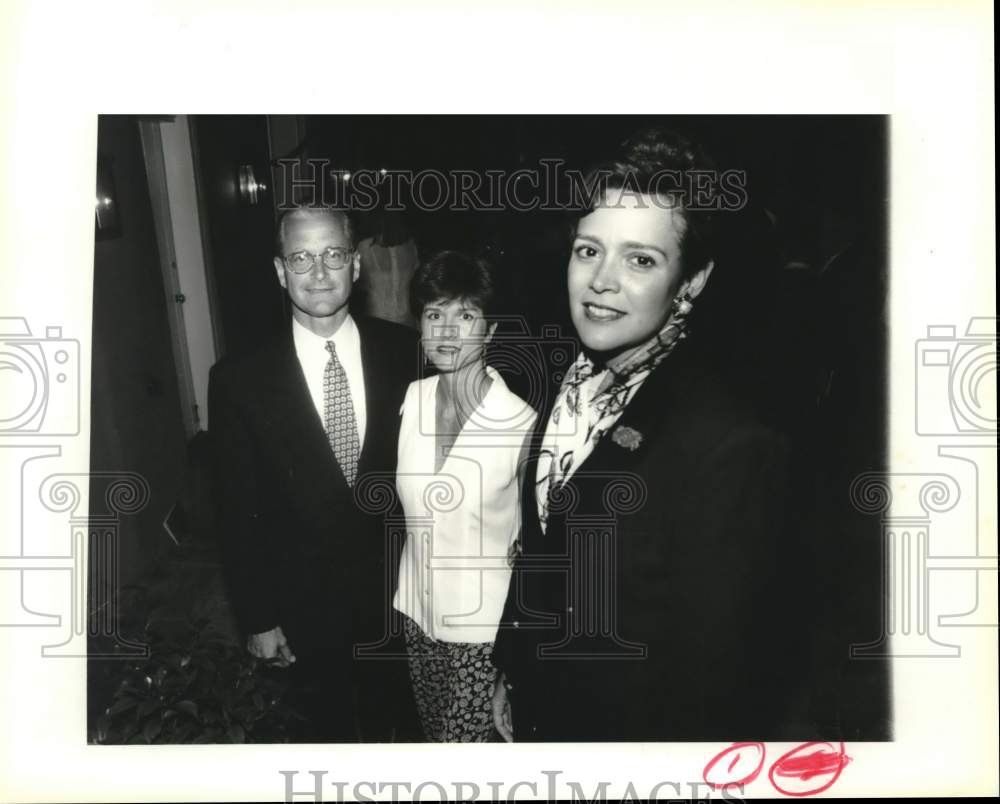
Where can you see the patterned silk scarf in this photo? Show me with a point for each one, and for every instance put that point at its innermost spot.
(590, 401)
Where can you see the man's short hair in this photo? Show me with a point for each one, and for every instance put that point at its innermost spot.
(299, 212)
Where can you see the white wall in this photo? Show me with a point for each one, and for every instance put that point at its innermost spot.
(185, 224)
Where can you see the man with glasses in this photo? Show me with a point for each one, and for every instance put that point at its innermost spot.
(297, 425)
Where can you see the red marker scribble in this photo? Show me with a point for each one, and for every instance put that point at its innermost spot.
(816, 761)
(722, 772)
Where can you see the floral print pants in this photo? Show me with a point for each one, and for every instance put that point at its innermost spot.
(453, 687)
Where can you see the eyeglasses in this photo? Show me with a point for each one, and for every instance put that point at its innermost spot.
(334, 258)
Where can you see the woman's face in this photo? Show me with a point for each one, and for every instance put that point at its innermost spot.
(453, 333)
(625, 270)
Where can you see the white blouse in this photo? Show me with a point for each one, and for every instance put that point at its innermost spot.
(461, 521)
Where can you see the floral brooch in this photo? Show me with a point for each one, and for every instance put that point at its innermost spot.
(626, 437)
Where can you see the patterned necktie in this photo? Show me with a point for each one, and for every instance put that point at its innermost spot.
(338, 415)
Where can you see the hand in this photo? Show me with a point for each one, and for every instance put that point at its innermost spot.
(271, 646)
(501, 710)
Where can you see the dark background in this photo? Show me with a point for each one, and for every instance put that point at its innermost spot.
(795, 312)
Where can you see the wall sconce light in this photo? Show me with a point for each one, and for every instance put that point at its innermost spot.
(107, 223)
(251, 190)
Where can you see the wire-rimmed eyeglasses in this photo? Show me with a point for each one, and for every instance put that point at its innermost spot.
(333, 258)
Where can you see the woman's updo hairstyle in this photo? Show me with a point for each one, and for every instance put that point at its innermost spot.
(666, 164)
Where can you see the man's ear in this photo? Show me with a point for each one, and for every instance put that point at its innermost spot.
(696, 284)
(279, 266)
(356, 260)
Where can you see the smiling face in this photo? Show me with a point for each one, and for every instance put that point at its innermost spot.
(319, 297)
(453, 333)
(625, 271)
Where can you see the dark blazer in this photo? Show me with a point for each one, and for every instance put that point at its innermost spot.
(659, 575)
(298, 550)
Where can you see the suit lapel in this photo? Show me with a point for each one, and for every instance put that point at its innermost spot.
(629, 439)
(625, 446)
(529, 499)
(291, 412)
(376, 389)
(644, 416)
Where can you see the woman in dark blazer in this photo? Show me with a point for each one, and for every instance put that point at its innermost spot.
(646, 599)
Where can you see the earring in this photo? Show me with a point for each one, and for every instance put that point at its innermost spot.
(682, 304)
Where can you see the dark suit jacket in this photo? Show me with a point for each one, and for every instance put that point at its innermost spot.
(298, 550)
(660, 574)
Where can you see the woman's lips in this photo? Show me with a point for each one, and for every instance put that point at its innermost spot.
(450, 350)
(600, 313)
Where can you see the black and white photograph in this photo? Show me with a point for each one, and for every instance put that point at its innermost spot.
(605, 382)
(377, 439)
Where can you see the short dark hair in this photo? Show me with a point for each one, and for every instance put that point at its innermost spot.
(640, 163)
(279, 229)
(454, 275)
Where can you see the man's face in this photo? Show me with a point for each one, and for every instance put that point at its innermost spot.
(319, 296)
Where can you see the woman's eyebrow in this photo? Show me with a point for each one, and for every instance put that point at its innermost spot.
(647, 246)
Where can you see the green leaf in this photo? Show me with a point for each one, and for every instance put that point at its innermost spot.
(236, 733)
(121, 705)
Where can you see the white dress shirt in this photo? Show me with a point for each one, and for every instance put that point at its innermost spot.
(313, 357)
(462, 520)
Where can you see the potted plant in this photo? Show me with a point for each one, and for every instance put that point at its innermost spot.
(196, 686)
